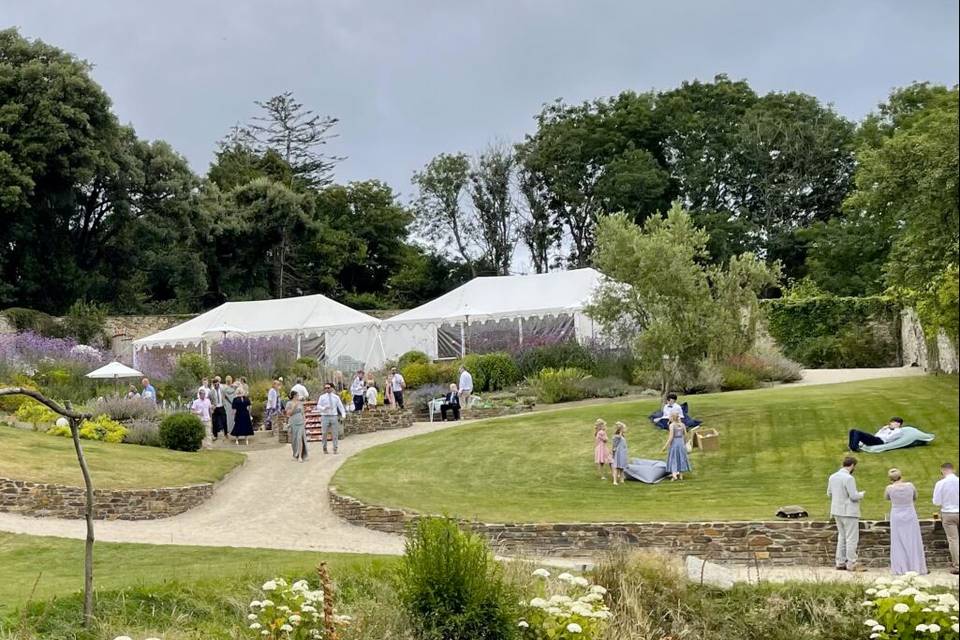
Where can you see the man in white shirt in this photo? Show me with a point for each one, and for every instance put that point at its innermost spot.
(205, 387)
(331, 410)
(671, 407)
(886, 433)
(300, 390)
(397, 384)
(946, 495)
(465, 387)
(845, 509)
(357, 390)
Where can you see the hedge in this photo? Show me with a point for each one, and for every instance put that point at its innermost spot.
(836, 332)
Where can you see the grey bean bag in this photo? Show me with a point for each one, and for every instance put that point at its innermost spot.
(649, 471)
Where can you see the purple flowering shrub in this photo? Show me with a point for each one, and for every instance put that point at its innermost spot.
(255, 358)
(56, 365)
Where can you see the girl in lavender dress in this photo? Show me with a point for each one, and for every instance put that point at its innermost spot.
(601, 453)
(619, 453)
(677, 461)
(906, 543)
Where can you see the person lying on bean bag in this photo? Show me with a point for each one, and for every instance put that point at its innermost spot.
(906, 437)
(661, 419)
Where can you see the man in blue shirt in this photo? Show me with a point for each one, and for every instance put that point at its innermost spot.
(148, 393)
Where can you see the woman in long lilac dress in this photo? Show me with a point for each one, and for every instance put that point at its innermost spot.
(906, 543)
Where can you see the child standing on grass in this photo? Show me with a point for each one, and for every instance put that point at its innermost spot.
(619, 453)
(601, 453)
(677, 461)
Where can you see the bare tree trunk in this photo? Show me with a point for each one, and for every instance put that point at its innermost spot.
(75, 419)
(329, 624)
(88, 514)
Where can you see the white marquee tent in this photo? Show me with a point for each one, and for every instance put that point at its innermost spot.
(494, 313)
(317, 325)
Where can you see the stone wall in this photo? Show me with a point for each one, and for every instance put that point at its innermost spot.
(377, 419)
(915, 349)
(123, 330)
(779, 542)
(60, 501)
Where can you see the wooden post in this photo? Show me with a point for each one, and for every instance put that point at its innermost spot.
(75, 420)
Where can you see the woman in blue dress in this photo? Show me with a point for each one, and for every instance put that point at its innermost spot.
(676, 446)
(619, 451)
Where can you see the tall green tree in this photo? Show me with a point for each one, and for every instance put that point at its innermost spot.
(440, 212)
(491, 189)
(596, 158)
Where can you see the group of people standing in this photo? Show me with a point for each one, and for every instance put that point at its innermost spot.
(224, 407)
(906, 543)
(614, 453)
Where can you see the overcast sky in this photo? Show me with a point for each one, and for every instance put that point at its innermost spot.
(413, 78)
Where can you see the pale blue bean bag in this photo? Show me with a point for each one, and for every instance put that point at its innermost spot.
(908, 437)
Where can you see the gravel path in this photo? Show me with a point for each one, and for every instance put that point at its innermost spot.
(274, 502)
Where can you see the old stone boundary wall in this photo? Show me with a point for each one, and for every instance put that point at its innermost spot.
(42, 499)
(783, 542)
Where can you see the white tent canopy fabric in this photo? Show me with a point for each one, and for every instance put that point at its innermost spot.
(346, 332)
(495, 301)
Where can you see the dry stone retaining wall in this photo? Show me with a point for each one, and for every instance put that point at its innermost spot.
(784, 542)
(61, 501)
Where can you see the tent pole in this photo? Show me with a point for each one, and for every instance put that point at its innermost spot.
(520, 322)
(299, 336)
(463, 341)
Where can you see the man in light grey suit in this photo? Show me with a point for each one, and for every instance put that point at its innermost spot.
(845, 509)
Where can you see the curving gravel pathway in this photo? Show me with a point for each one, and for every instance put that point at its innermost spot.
(274, 502)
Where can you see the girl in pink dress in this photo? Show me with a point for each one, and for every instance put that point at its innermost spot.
(601, 453)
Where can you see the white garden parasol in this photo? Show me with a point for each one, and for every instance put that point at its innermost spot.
(114, 371)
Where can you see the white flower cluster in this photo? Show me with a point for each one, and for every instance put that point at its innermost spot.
(289, 611)
(905, 604)
(568, 607)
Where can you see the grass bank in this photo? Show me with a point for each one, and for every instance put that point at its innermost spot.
(29, 455)
(778, 447)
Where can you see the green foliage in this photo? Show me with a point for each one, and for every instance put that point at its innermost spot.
(558, 385)
(86, 322)
(412, 357)
(143, 431)
(675, 305)
(35, 413)
(182, 432)
(491, 371)
(555, 356)
(196, 365)
(451, 587)
(101, 428)
(35, 321)
(736, 379)
(835, 332)
(419, 374)
(10, 404)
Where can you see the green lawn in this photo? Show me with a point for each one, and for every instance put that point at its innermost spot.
(28, 455)
(55, 566)
(778, 447)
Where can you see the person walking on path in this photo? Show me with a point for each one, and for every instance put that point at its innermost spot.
(148, 392)
(219, 418)
(601, 452)
(845, 509)
(229, 393)
(620, 454)
(906, 543)
(678, 462)
(297, 425)
(272, 409)
(946, 495)
(357, 386)
(331, 410)
(465, 386)
(242, 422)
(397, 384)
(201, 408)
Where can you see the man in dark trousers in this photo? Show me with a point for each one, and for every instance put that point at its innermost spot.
(357, 388)
(451, 402)
(218, 420)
